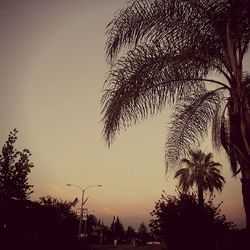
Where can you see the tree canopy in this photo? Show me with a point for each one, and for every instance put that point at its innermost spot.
(15, 166)
(200, 170)
(117, 228)
(182, 224)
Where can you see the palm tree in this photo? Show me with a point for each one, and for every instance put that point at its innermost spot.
(200, 170)
(164, 52)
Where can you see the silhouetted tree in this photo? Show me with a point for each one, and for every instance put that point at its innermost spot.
(171, 49)
(91, 224)
(14, 169)
(143, 233)
(47, 224)
(200, 170)
(112, 226)
(117, 228)
(104, 233)
(130, 233)
(182, 224)
(57, 222)
(14, 192)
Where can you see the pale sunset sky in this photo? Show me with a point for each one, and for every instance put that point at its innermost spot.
(52, 70)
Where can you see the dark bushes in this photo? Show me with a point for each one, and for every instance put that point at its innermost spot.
(182, 224)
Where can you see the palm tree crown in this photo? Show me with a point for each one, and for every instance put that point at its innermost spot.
(200, 170)
(166, 52)
(175, 45)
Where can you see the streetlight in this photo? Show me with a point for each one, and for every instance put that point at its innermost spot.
(82, 203)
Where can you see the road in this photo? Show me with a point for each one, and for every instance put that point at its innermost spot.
(125, 247)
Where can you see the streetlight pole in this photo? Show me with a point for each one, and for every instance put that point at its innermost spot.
(81, 216)
(82, 203)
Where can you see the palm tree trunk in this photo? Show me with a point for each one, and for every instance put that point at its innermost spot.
(200, 196)
(240, 137)
(246, 194)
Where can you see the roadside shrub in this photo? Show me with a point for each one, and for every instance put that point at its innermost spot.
(182, 224)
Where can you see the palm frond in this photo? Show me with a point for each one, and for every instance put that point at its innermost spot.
(239, 22)
(182, 171)
(184, 22)
(200, 170)
(213, 164)
(183, 175)
(208, 158)
(196, 156)
(141, 83)
(189, 163)
(170, 47)
(191, 120)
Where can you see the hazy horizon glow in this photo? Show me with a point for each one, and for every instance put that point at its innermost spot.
(52, 71)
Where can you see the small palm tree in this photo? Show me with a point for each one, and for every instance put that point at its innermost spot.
(200, 170)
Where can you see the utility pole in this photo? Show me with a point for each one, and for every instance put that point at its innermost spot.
(82, 203)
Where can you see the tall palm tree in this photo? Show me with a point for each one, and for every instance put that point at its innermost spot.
(200, 171)
(164, 52)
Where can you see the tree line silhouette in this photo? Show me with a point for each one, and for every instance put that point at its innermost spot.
(51, 223)
(48, 223)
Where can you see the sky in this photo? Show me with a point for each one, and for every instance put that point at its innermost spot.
(52, 70)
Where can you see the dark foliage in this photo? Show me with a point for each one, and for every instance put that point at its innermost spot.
(57, 222)
(143, 234)
(201, 171)
(117, 229)
(14, 169)
(92, 228)
(182, 224)
(91, 223)
(130, 234)
(48, 224)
